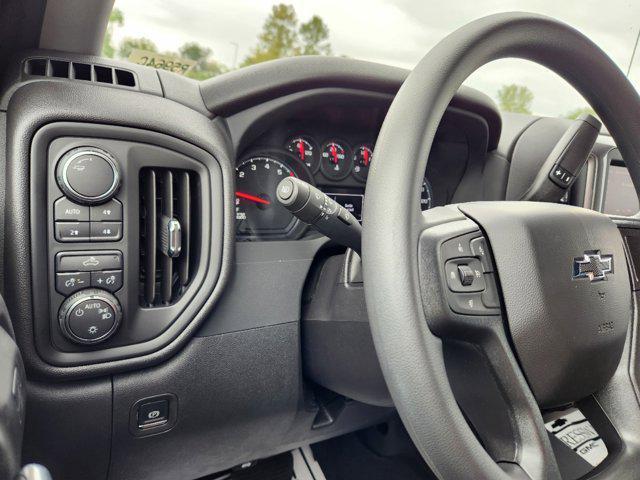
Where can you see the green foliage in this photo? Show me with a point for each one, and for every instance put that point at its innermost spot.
(315, 37)
(515, 98)
(282, 36)
(575, 113)
(205, 66)
(129, 44)
(116, 19)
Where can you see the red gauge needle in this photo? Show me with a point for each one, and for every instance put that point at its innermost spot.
(301, 150)
(334, 153)
(246, 196)
(366, 157)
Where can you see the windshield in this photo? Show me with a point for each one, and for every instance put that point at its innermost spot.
(205, 38)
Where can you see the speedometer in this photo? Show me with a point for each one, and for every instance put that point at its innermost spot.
(258, 212)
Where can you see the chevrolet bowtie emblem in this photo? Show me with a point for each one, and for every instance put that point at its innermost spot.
(593, 266)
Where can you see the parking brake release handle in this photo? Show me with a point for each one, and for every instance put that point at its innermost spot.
(315, 208)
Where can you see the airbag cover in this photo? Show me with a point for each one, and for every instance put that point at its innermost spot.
(568, 332)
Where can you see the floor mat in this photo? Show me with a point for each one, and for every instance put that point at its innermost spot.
(348, 458)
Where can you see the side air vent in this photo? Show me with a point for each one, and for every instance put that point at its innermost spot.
(169, 201)
(48, 67)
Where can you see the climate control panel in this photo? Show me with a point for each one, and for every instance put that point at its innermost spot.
(88, 179)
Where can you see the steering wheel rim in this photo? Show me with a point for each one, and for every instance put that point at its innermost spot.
(410, 354)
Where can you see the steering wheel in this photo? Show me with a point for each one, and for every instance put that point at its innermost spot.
(546, 316)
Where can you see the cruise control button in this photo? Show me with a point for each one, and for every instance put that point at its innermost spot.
(110, 280)
(107, 212)
(479, 249)
(72, 231)
(464, 275)
(67, 283)
(65, 209)
(66, 262)
(105, 231)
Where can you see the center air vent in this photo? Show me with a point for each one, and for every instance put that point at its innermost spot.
(169, 200)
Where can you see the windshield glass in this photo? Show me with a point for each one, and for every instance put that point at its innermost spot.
(205, 38)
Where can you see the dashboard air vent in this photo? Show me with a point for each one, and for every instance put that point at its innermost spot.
(49, 67)
(169, 200)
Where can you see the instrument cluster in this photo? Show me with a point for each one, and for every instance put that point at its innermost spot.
(336, 167)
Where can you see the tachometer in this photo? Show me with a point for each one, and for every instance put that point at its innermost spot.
(335, 163)
(304, 149)
(258, 212)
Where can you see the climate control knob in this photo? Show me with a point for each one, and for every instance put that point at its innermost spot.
(90, 316)
(88, 175)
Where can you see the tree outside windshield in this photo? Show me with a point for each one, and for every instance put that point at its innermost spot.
(211, 37)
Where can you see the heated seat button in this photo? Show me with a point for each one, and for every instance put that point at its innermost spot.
(65, 210)
(464, 275)
(153, 413)
(68, 283)
(72, 231)
(110, 280)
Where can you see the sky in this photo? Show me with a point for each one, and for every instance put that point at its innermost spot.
(393, 32)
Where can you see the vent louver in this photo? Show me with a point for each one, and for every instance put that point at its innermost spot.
(48, 67)
(169, 200)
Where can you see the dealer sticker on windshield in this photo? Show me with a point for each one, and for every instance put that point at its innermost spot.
(575, 431)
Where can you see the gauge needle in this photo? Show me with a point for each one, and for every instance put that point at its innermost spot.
(366, 157)
(334, 153)
(253, 198)
(301, 149)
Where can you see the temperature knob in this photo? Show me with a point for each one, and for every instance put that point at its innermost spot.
(88, 175)
(90, 316)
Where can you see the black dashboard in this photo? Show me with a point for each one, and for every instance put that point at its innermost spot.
(332, 146)
(243, 333)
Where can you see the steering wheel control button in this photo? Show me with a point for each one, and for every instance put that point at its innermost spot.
(459, 246)
(90, 316)
(88, 175)
(153, 414)
(107, 212)
(470, 304)
(479, 249)
(88, 262)
(561, 176)
(110, 280)
(68, 283)
(464, 275)
(490, 297)
(66, 210)
(72, 231)
(106, 231)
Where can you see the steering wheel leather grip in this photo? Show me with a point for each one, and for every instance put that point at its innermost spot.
(402, 290)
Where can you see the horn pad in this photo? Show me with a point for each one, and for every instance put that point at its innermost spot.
(566, 291)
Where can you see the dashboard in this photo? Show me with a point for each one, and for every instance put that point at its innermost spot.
(331, 147)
